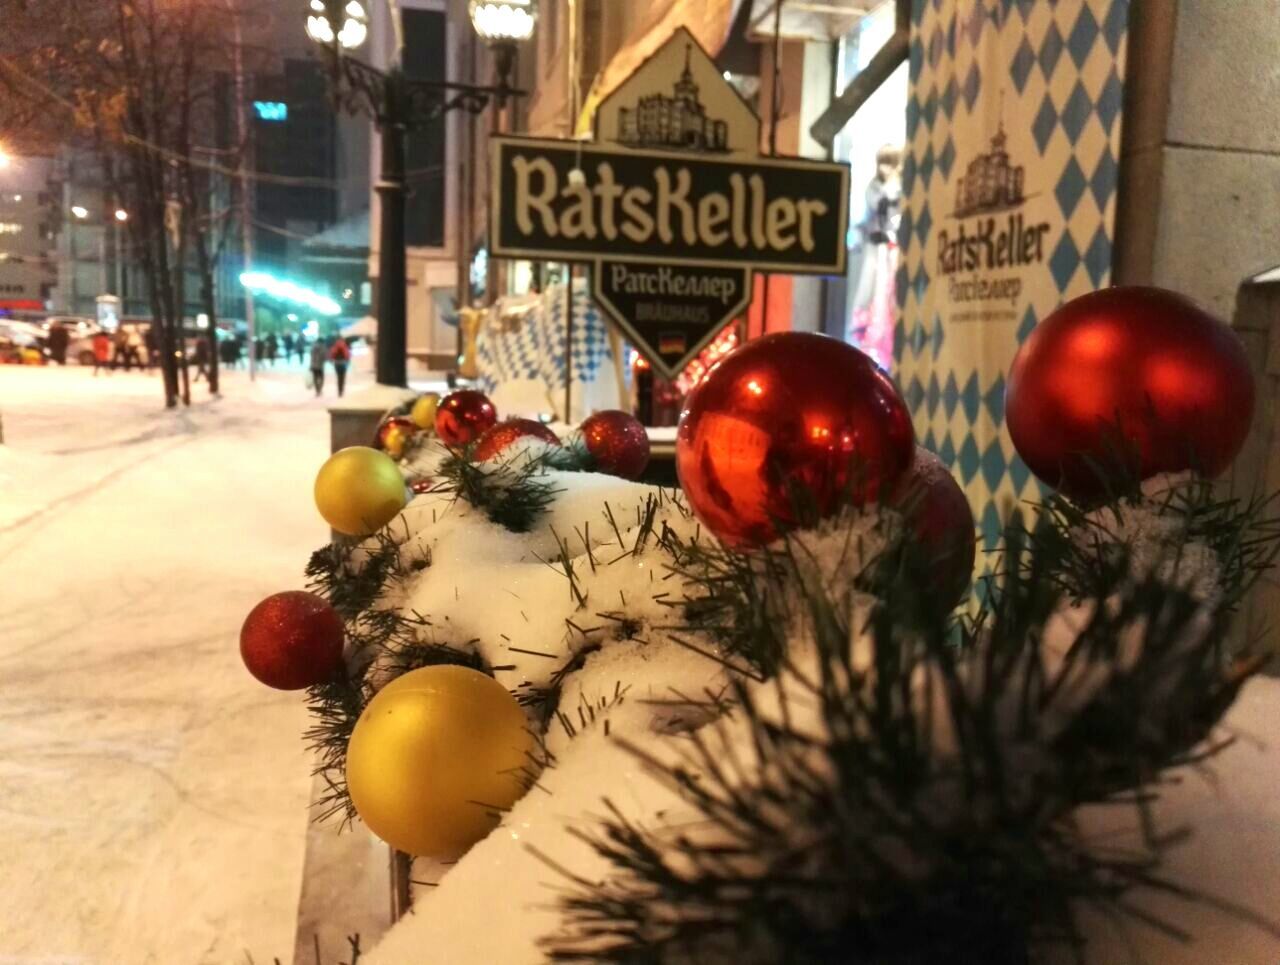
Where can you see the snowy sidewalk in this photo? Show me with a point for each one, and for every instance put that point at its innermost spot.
(152, 796)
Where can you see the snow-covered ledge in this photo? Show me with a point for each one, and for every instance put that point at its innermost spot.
(354, 419)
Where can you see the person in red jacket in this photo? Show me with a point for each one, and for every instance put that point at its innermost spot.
(340, 356)
(101, 352)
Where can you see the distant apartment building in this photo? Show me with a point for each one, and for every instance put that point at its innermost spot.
(28, 272)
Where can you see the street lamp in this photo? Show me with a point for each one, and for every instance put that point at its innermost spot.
(502, 24)
(353, 24)
(80, 211)
(398, 104)
(121, 214)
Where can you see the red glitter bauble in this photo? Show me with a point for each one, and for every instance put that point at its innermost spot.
(617, 442)
(940, 525)
(464, 416)
(495, 440)
(292, 640)
(420, 486)
(394, 434)
(786, 415)
(1138, 372)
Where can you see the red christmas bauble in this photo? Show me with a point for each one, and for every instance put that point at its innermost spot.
(420, 486)
(292, 640)
(497, 439)
(940, 523)
(616, 440)
(789, 412)
(464, 416)
(1148, 363)
(394, 434)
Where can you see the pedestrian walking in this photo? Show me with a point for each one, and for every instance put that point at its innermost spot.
(120, 349)
(318, 355)
(133, 349)
(59, 339)
(150, 347)
(340, 355)
(101, 352)
(201, 358)
(300, 345)
(272, 347)
(286, 344)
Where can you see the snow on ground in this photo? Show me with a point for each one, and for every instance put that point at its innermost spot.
(152, 796)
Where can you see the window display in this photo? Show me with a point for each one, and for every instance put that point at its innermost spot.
(872, 144)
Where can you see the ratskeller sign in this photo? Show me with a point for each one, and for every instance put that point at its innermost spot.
(672, 205)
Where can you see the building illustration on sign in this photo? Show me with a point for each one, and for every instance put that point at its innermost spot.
(678, 121)
(991, 183)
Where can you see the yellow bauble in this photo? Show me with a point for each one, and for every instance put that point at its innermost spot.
(394, 441)
(424, 411)
(434, 756)
(359, 490)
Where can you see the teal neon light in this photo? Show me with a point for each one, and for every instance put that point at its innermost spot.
(271, 110)
(260, 282)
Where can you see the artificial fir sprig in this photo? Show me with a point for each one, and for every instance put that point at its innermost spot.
(902, 790)
(1096, 546)
(747, 600)
(513, 492)
(352, 573)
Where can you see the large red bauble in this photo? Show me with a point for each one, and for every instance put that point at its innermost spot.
(495, 440)
(617, 443)
(464, 416)
(940, 523)
(786, 414)
(1169, 376)
(292, 640)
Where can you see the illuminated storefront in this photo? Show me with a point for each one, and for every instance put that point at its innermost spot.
(872, 143)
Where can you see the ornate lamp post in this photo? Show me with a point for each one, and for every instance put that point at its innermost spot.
(398, 104)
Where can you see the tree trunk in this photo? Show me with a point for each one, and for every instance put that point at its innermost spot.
(204, 267)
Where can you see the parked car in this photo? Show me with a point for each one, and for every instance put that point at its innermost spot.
(22, 342)
(13, 352)
(80, 347)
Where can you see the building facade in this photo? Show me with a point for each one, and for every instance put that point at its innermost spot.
(28, 240)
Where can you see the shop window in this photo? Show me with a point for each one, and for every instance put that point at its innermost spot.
(872, 142)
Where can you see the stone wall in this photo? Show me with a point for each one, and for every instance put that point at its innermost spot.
(1200, 158)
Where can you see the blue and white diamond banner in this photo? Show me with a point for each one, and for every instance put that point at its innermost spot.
(529, 346)
(1009, 185)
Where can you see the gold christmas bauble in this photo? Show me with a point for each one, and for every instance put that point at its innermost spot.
(359, 490)
(424, 411)
(434, 757)
(395, 441)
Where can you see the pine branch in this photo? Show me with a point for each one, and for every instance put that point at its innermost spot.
(901, 801)
(512, 493)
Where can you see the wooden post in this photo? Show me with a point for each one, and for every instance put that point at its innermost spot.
(568, 345)
(401, 867)
(619, 367)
